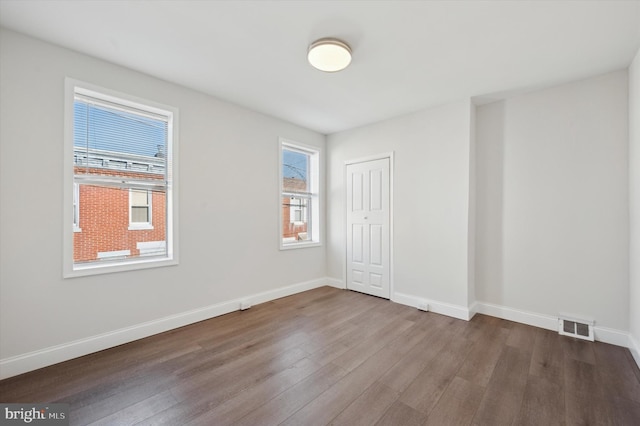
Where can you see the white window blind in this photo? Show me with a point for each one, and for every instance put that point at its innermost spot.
(108, 136)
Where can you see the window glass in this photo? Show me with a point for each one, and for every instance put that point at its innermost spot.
(299, 194)
(140, 206)
(122, 178)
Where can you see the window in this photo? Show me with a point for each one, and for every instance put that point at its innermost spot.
(140, 213)
(120, 167)
(298, 211)
(299, 192)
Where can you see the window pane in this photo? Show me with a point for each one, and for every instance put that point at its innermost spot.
(295, 171)
(139, 198)
(117, 151)
(98, 127)
(104, 213)
(298, 209)
(139, 214)
(295, 214)
(300, 198)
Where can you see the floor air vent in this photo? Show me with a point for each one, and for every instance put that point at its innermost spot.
(574, 327)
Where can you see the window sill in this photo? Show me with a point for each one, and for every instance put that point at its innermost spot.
(141, 227)
(119, 266)
(76, 229)
(300, 245)
(115, 255)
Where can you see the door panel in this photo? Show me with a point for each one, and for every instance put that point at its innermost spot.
(375, 245)
(357, 196)
(375, 201)
(357, 246)
(368, 241)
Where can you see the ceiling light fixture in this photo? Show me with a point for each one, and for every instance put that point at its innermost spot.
(329, 54)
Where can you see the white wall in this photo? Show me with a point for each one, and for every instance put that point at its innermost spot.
(552, 201)
(634, 195)
(229, 204)
(431, 199)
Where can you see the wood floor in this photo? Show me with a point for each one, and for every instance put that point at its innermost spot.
(330, 356)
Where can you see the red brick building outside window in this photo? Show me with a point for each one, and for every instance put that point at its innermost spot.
(295, 211)
(104, 229)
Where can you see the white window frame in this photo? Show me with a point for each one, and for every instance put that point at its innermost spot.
(76, 208)
(314, 225)
(70, 269)
(140, 226)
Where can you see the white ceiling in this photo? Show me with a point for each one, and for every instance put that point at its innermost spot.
(407, 55)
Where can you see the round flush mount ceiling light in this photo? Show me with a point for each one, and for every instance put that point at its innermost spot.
(329, 54)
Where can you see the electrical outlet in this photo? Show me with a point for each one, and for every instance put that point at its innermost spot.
(423, 306)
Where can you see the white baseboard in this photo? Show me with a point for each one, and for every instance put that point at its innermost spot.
(517, 315)
(337, 283)
(23, 363)
(611, 336)
(277, 293)
(52, 355)
(455, 311)
(549, 322)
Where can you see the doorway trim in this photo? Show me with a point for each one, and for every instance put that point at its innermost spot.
(382, 156)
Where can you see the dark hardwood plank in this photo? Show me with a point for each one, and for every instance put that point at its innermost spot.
(362, 351)
(401, 414)
(503, 397)
(330, 403)
(591, 411)
(580, 350)
(483, 357)
(598, 394)
(200, 394)
(522, 336)
(457, 405)
(108, 399)
(368, 324)
(248, 335)
(339, 324)
(542, 404)
(547, 360)
(244, 402)
(625, 412)
(400, 376)
(423, 393)
(329, 356)
(104, 369)
(210, 390)
(334, 350)
(612, 364)
(368, 408)
(581, 380)
(287, 403)
(300, 300)
(136, 412)
(335, 399)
